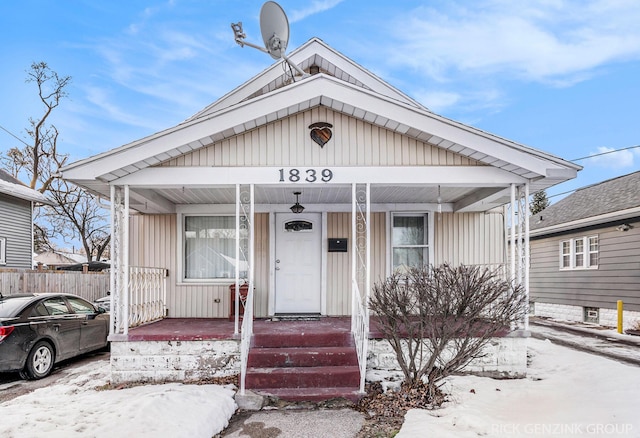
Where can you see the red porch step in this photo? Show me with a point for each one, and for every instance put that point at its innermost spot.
(304, 377)
(313, 394)
(302, 357)
(304, 366)
(307, 339)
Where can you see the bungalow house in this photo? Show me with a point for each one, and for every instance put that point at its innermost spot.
(585, 254)
(16, 222)
(304, 190)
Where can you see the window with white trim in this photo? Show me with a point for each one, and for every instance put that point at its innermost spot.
(579, 253)
(409, 241)
(209, 248)
(3, 250)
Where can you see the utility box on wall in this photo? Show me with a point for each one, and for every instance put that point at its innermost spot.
(338, 245)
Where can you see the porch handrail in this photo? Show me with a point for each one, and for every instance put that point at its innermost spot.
(360, 331)
(245, 337)
(147, 294)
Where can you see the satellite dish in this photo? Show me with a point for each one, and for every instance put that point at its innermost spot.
(275, 29)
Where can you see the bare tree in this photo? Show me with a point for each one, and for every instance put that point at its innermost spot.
(40, 162)
(80, 209)
(438, 320)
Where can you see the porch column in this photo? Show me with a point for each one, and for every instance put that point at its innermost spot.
(119, 275)
(245, 211)
(125, 262)
(527, 255)
(513, 234)
(236, 328)
(360, 250)
(112, 271)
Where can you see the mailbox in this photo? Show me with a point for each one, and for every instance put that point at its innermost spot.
(338, 245)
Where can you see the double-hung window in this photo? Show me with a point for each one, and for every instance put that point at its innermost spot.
(409, 241)
(209, 244)
(579, 253)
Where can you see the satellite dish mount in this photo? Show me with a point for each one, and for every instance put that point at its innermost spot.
(274, 27)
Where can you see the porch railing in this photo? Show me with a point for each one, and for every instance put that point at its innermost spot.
(360, 331)
(148, 294)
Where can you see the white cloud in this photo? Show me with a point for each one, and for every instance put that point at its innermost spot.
(550, 41)
(611, 159)
(314, 7)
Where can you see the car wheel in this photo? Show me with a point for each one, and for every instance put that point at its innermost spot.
(40, 361)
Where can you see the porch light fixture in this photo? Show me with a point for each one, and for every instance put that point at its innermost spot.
(297, 208)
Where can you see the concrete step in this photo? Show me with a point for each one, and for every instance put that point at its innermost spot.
(314, 394)
(302, 357)
(303, 377)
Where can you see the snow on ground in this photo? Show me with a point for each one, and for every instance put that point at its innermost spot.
(76, 409)
(566, 393)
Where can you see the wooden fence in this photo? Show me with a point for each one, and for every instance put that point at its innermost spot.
(90, 286)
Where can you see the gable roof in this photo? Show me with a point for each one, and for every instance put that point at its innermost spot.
(314, 53)
(338, 84)
(613, 199)
(13, 187)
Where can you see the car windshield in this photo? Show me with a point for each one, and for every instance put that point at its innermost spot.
(9, 306)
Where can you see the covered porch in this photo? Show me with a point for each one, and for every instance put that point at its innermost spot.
(142, 299)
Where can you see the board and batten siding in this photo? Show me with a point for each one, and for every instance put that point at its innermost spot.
(339, 264)
(287, 142)
(469, 238)
(16, 226)
(616, 278)
(154, 244)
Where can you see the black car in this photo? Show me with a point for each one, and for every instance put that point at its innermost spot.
(39, 330)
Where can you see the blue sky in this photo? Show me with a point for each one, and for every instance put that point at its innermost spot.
(562, 76)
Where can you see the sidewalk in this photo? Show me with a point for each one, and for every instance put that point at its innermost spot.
(588, 337)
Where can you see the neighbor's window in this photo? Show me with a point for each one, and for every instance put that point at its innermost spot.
(3, 250)
(409, 241)
(210, 247)
(566, 254)
(579, 253)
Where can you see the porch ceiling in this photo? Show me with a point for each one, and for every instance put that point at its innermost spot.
(325, 195)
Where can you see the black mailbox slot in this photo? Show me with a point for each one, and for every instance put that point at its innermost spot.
(338, 245)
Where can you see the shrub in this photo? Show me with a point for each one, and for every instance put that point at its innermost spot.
(438, 319)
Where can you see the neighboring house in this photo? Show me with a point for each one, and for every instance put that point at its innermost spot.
(16, 222)
(585, 254)
(309, 190)
(52, 260)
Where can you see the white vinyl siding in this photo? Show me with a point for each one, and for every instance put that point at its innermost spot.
(468, 238)
(287, 142)
(154, 242)
(579, 253)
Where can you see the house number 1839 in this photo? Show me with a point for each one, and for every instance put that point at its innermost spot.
(307, 175)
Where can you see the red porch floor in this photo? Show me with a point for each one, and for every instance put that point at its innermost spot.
(199, 329)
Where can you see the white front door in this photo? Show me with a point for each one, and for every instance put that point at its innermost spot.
(298, 263)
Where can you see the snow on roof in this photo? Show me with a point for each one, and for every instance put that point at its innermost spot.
(12, 187)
